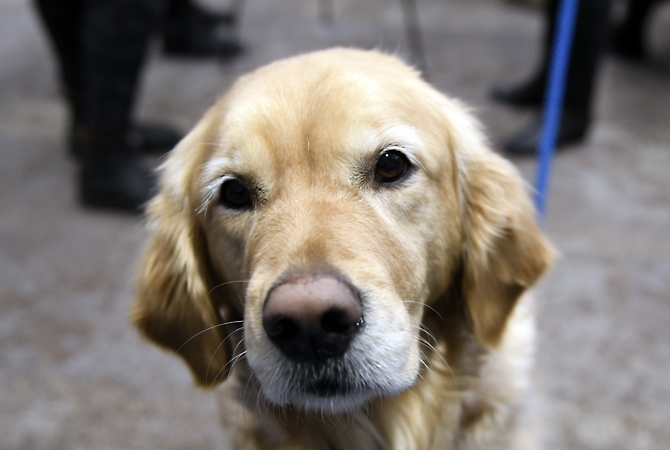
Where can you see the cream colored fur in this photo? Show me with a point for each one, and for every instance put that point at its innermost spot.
(443, 259)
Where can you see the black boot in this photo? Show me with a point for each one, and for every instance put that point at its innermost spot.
(149, 137)
(191, 31)
(181, 11)
(113, 177)
(202, 43)
(629, 44)
(141, 138)
(528, 94)
(628, 40)
(573, 129)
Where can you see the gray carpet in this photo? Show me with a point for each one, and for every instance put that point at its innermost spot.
(75, 375)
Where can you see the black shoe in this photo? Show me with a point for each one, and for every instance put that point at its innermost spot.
(628, 44)
(526, 95)
(153, 137)
(201, 43)
(525, 142)
(191, 31)
(189, 14)
(141, 138)
(115, 181)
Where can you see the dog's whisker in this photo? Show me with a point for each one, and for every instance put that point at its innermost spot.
(442, 359)
(206, 330)
(226, 283)
(424, 305)
(244, 399)
(439, 355)
(432, 372)
(422, 328)
(232, 361)
(242, 404)
(246, 387)
(422, 396)
(425, 329)
(217, 349)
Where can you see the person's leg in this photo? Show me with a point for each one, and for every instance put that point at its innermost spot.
(629, 37)
(588, 43)
(114, 36)
(591, 32)
(530, 92)
(62, 20)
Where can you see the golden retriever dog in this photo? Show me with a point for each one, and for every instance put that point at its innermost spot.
(337, 246)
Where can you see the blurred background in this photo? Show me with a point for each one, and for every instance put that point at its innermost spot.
(75, 375)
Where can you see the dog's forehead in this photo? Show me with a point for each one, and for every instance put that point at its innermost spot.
(324, 111)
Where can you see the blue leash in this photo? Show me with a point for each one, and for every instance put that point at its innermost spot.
(553, 101)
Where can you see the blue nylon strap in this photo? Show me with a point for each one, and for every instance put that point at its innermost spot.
(553, 100)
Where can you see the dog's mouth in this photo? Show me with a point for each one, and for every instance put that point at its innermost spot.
(333, 385)
(324, 379)
(327, 387)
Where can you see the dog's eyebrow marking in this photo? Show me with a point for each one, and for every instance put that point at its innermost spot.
(210, 191)
(404, 138)
(406, 134)
(372, 143)
(407, 152)
(214, 174)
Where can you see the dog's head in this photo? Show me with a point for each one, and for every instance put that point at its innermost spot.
(322, 203)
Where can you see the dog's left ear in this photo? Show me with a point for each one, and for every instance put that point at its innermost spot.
(504, 251)
(175, 307)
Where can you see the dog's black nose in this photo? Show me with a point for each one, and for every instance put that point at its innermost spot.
(312, 317)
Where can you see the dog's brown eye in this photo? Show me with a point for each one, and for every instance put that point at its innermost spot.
(392, 166)
(235, 195)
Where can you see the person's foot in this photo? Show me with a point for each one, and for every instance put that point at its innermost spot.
(188, 13)
(111, 175)
(117, 182)
(528, 94)
(195, 32)
(151, 137)
(573, 129)
(141, 138)
(194, 15)
(628, 43)
(200, 43)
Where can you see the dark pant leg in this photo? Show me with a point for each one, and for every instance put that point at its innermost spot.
(635, 21)
(62, 19)
(590, 34)
(114, 35)
(637, 14)
(589, 44)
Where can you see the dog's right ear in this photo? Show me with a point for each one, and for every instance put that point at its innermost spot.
(504, 252)
(173, 307)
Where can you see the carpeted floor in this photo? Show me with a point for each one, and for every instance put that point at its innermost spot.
(75, 375)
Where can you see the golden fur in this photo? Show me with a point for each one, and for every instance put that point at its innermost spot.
(444, 258)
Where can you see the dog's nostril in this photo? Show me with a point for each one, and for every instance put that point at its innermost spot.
(282, 328)
(336, 321)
